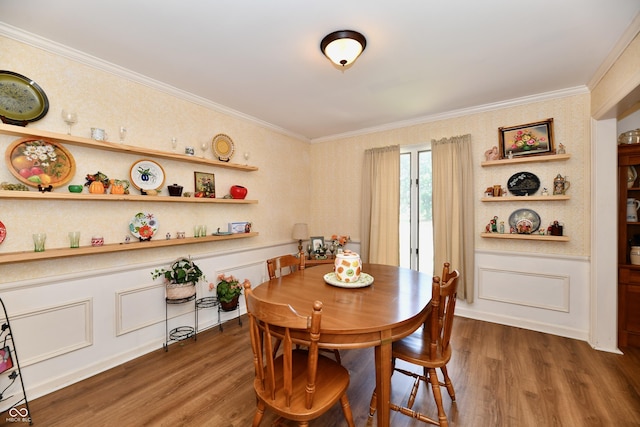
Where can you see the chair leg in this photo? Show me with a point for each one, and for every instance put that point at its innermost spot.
(346, 409)
(373, 404)
(336, 353)
(257, 418)
(448, 383)
(437, 395)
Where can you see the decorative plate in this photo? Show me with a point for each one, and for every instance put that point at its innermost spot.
(143, 225)
(524, 221)
(364, 281)
(3, 232)
(632, 175)
(146, 175)
(523, 184)
(40, 162)
(21, 99)
(223, 147)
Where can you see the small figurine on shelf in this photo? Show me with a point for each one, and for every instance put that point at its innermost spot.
(492, 154)
(492, 227)
(561, 149)
(501, 227)
(545, 192)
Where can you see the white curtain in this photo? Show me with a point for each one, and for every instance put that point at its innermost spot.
(453, 216)
(380, 218)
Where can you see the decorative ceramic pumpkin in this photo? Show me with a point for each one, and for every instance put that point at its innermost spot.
(117, 189)
(96, 187)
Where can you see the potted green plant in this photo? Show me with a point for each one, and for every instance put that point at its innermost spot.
(180, 278)
(228, 290)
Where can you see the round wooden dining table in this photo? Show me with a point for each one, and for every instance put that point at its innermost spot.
(392, 307)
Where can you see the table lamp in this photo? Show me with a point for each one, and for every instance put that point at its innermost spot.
(300, 233)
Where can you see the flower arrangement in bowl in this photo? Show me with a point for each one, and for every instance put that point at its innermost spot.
(180, 278)
(338, 242)
(228, 289)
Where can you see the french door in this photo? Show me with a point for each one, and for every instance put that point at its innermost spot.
(416, 225)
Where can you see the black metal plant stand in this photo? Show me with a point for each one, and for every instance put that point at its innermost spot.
(13, 401)
(181, 332)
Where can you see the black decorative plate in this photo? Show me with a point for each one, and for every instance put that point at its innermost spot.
(524, 221)
(523, 184)
(21, 99)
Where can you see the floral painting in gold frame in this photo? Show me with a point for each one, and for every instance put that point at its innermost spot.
(527, 140)
(205, 185)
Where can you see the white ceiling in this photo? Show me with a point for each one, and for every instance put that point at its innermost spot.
(262, 58)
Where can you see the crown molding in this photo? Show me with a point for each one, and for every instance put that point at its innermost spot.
(627, 37)
(563, 93)
(100, 64)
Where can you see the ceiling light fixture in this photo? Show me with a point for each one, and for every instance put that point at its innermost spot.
(343, 47)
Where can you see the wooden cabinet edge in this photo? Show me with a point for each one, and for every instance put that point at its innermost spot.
(114, 146)
(13, 257)
(541, 237)
(526, 159)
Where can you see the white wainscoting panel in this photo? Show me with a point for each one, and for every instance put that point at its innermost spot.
(543, 293)
(134, 309)
(539, 290)
(53, 331)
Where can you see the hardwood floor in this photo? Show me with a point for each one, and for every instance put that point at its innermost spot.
(503, 376)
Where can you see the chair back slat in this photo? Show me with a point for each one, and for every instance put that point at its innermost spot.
(271, 322)
(447, 296)
(285, 264)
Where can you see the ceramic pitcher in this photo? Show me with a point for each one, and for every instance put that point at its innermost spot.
(632, 210)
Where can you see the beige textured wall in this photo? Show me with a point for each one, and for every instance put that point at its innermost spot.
(338, 165)
(152, 117)
(621, 79)
(297, 182)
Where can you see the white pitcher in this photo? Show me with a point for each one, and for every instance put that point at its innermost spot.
(632, 210)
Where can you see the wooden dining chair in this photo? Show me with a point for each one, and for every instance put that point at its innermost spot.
(288, 383)
(430, 348)
(285, 264)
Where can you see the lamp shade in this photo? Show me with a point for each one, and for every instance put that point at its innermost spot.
(343, 47)
(300, 231)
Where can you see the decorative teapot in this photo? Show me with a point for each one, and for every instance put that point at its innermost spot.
(560, 185)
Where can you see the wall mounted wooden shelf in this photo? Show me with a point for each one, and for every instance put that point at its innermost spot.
(61, 195)
(525, 198)
(542, 237)
(24, 256)
(23, 132)
(526, 159)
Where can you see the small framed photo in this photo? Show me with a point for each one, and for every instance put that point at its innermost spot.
(527, 140)
(317, 242)
(205, 184)
(239, 227)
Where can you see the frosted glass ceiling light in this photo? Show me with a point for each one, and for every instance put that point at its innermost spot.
(343, 47)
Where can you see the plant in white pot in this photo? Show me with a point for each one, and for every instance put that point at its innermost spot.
(180, 278)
